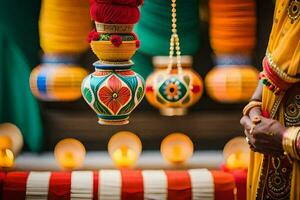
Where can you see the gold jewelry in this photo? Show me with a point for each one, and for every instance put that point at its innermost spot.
(289, 143)
(174, 43)
(252, 128)
(247, 139)
(249, 106)
(256, 120)
(113, 28)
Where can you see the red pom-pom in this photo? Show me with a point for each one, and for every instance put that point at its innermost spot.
(116, 40)
(115, 14)
(93, 36)
(137, 43)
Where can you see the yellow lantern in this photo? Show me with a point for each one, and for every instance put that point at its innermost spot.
(237, 153)
(230, 84)
(124, 149)
(57, 82)
(11, 143)
(177, 148)
(69, 153)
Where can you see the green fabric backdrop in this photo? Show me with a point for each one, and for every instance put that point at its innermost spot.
(19, 47)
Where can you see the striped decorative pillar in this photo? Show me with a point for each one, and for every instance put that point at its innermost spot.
(63, 28)
(195, 184)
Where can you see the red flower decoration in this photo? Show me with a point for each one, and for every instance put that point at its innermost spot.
(116, 40)
(93, 36)
(115, 96)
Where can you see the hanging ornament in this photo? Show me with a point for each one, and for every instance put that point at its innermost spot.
(173, 93)
(124, 149)
(113, 90)
(173, 88)
(233, 38)
(177, 148)
(59, 76)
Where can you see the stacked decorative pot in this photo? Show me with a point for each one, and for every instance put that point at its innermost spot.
(113, 90)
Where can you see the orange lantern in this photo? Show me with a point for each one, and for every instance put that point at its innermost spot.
(173, 93)
(124, 149)
(69, 153)
(231, 84)
(176, 148)
(237, 153)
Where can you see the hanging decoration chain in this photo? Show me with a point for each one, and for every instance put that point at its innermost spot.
(174, 42)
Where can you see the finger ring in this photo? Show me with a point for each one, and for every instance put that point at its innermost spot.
(251, 130)
(256, 120)
(271, 133)
(247, 139)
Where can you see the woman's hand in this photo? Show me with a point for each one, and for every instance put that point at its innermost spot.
(264, 137)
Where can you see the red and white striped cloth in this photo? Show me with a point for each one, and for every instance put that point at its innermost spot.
(195, 184)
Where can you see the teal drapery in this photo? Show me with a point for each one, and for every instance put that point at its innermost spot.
(19, 47)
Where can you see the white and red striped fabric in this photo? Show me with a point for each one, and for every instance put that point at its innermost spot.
(195, 184)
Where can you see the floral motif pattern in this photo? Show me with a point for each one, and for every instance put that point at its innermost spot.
(114, 95)
(172, 89)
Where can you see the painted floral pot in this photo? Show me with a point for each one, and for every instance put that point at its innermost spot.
(172, 93)
(106, 51)
(113, 91)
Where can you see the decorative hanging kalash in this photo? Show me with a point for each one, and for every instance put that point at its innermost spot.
(113, 90)
(233, 38)
(173, 88)
(63, 28)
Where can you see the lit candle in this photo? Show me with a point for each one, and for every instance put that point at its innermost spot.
(236, 153)
(69, 154)
(6, 154)
(8, 130)
(177, 148)
(124, 148)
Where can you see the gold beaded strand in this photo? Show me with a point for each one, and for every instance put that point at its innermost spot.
(174, 42)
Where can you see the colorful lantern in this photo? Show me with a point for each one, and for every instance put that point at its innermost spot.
(233, 38)
(59, 77)
(236, 153)
(113, 90)
(124, 149)
(11, 142)
(176, 148)
(172, 93)
(69, 154)
(231, 83)
(57, 81)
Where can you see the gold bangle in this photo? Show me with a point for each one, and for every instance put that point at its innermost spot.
(249, 106)
(113, 28)
(289, 142)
